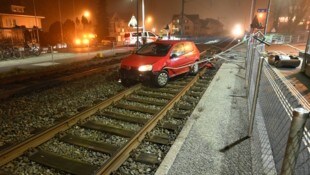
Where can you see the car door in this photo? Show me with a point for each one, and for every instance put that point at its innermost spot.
(189, 54)
(177, 60)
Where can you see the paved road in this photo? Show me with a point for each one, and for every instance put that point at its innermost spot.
(290, 49)
(49, 59)
(297, 79)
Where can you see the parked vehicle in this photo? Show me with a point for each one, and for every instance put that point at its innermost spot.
(108, 41)
(131, 37)
(31, 49)
(9, 52)
(159, 61)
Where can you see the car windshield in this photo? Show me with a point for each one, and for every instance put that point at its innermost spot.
(154, 49)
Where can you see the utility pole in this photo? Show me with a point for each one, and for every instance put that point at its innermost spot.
(61, 31)
(137, 24)
(36, 20)
(182, 19)
(143, 23)
(267, 18)
(252, 12)
(75, 33)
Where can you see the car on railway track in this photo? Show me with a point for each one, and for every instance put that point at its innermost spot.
(158, 61)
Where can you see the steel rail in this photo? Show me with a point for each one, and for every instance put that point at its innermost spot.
(118, 158)
(15, 151)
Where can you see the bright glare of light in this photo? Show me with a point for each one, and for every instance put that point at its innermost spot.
(237, 30)
(260, 15)
(91, 36)
(85, 41)
(87, 14)
(149, 19)
(77, 41)
(153, 29)
(145, 68)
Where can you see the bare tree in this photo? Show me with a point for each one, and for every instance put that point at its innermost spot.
(276, 13)
(296, 13)
(295, 10)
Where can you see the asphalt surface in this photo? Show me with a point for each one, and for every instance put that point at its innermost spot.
(298, 79)
(49, 59)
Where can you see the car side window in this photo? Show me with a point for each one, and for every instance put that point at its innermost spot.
(151, 34)
(178, 50)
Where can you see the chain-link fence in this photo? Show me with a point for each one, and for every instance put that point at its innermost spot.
(279, 143)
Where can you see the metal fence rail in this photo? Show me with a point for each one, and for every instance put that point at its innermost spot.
(280, 142)
(286, 39)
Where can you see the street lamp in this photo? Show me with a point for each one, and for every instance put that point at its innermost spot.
(86, 14)
(149, 19)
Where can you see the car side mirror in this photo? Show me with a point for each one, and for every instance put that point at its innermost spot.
(173, 56)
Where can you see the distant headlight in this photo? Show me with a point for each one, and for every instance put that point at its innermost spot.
(145, 68)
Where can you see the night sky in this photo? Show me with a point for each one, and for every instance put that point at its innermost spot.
(229, 12)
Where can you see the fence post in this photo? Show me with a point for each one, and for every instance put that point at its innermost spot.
(300, 116)
(255, 98)
(253, 49)
(52, 53)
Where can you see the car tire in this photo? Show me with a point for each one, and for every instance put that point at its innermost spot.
(17, 54)
(126, 83)
(161, 79)
(194, 68)
(37, 53)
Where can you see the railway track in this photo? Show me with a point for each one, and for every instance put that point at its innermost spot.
(137, 115)
(28, 83)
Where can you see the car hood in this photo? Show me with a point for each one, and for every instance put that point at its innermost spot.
(138, 60)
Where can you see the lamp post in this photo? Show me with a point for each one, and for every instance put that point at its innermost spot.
(36, 20)
(74, 14)
(143, 17)
(252, 12)
(267, 16)
(182, 19)
(61, 31)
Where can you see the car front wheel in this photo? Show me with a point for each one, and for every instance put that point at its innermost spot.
(161, 79)
(194, 69)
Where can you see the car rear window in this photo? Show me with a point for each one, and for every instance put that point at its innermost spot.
(154, 49)
(135, 34)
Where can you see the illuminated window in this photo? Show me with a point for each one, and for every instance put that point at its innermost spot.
(17, 9)
(283, 19)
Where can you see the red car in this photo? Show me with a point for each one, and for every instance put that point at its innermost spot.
(159, 61)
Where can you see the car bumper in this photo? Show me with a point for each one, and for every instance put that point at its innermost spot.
(136, 75)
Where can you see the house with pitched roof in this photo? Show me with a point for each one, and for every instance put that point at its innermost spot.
(194, 26)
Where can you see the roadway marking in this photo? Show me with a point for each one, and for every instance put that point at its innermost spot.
(295, 47)
(45, 64)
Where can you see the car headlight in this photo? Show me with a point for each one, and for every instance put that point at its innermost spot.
(145, 68)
